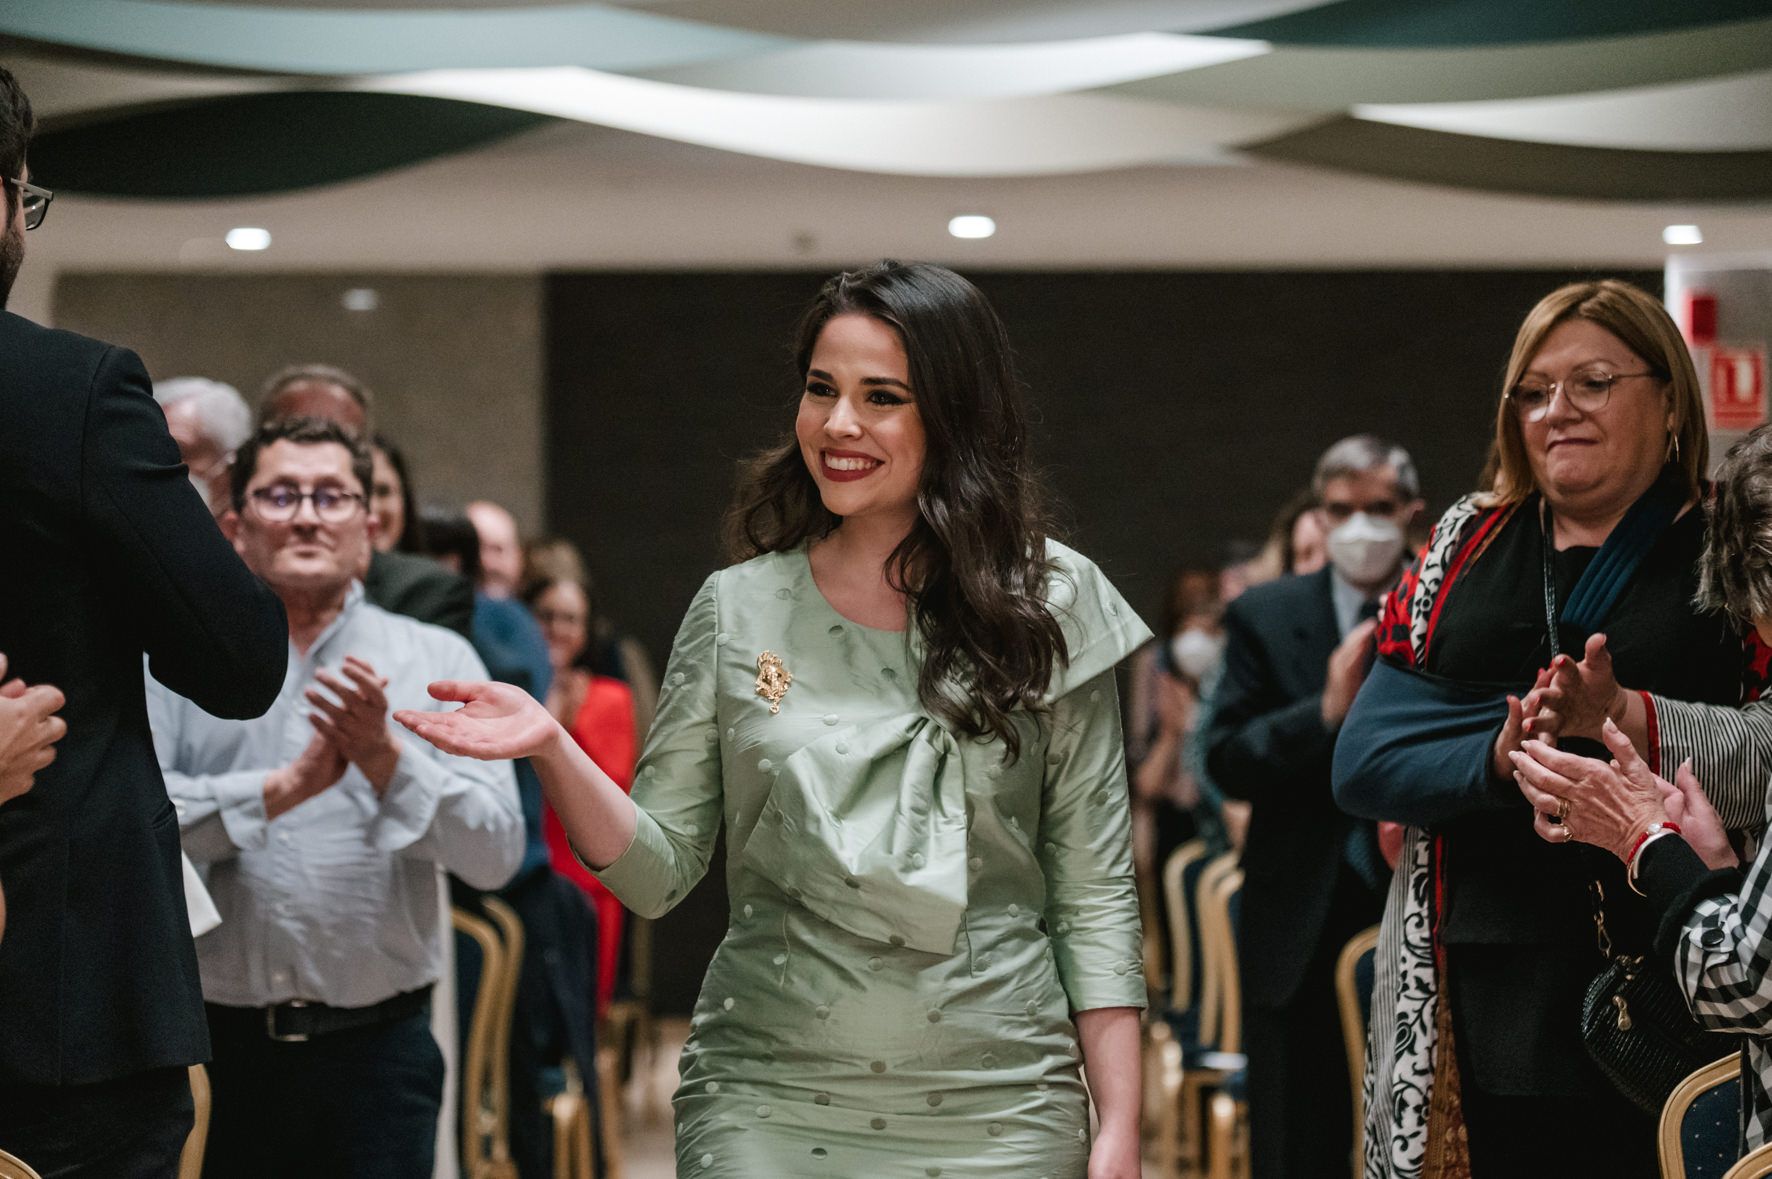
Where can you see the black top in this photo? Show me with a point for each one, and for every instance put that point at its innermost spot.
(1518, 917)
(106, 553)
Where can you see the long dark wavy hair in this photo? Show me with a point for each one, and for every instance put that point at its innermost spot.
(973, 567)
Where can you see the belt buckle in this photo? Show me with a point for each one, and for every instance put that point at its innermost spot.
(271, 1024)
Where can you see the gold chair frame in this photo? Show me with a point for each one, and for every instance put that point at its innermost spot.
(571, 1114)
(190, 1160)
(477, 1053)
(1755, 1164)
(499, 1163)
(1353, 1032)
(1221, 1004)
(1180, 957)
(1673, 1154)
(13, 1167)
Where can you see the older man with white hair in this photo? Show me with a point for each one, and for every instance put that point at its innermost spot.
(209, 420)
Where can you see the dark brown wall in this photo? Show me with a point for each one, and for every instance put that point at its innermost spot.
(1175, 411)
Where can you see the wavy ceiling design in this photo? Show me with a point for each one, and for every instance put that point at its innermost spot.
(1627, 100)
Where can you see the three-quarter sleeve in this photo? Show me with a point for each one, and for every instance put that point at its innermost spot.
(1730, 750)
(1085, 852)
(677, 787)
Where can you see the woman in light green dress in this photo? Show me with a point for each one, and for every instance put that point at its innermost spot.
(902, 709)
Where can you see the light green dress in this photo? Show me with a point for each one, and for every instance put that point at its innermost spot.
(913, 917)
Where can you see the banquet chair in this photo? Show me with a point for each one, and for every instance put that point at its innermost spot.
(190, 1161)
(1756, 1164)
(481, 955)
(574, 1156)
(504, 1007)
(13, 1167)
(1208, 1070)
(1699, 1122)
(1353, 994)
(1183, 933)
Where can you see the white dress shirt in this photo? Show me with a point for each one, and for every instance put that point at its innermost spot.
(336, 900)
(1348, 599)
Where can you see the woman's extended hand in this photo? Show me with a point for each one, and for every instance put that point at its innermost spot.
(1606, 804)
(497, 722)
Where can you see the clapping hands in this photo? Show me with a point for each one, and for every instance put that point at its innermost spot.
(356, 723)
(29, 730)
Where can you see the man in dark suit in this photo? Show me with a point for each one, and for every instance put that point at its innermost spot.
(401, 583)
(1296, 652)
(109, 553)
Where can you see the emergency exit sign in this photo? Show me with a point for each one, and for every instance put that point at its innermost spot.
(1737, 388)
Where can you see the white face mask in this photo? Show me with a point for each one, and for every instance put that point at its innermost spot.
(1365, 550)
(1195, 653)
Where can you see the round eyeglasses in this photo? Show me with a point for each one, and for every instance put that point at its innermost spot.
(35, 200)
(1587, 389)
(280, 505)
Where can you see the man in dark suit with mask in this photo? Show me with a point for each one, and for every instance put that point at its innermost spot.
(109, 553)
(1296, 652)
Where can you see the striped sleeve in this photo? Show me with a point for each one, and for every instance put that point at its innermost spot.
(1730, 750)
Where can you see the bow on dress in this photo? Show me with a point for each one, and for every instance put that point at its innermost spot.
(867, 828)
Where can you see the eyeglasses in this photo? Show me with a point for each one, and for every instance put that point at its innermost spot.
(35, 200)
(1587, 389)
(280, 505)
(1337, 512)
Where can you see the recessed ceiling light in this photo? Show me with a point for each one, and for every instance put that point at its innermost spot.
(249, 238)
(972, 226)
(1682, 235)
(361, 299)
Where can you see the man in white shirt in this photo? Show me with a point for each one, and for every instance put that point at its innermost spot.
(322, 829)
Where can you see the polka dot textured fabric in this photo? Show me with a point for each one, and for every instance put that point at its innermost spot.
(914, 916)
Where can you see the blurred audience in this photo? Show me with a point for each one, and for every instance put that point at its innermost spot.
(501, 549)
(318, 391)
(1297, 650)
(392, 501)
(322, 830)
(607, 652)
(1298, 536)
(209, 421)
(599, 713)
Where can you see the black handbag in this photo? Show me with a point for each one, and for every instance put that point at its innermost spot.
(1637, 1028)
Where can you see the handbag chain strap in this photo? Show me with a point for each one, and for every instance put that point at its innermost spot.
(1602, 939)
(1595, 890)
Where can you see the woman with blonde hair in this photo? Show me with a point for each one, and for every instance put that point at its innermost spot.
(1475, 1061)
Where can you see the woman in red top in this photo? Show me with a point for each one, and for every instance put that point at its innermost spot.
(599, 713)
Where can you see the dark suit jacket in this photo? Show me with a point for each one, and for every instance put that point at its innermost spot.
(418, 587)
(1265, 742)
(107, 552)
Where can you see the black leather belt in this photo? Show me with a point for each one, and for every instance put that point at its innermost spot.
(298, 1020)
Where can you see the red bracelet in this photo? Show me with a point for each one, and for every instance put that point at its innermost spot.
(1652, 830)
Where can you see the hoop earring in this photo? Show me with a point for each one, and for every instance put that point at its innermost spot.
(1673, 447)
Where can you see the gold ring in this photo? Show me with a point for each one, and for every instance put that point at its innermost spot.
(1562, 816)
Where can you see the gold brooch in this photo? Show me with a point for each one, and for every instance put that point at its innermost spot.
(773, 679)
